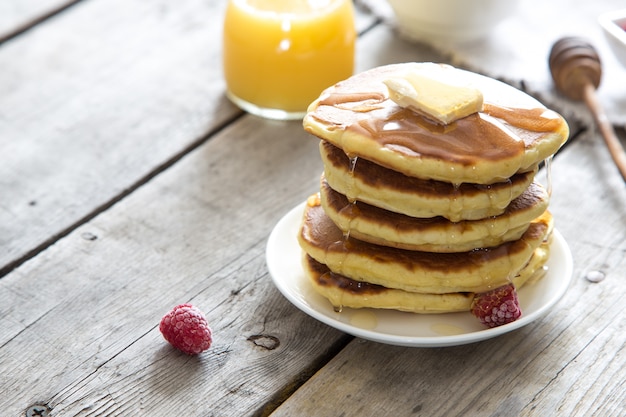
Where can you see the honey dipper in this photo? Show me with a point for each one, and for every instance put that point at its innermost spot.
(576, 70)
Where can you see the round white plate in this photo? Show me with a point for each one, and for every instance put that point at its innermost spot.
(400, 328)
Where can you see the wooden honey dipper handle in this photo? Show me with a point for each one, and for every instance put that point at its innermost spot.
(576, 70)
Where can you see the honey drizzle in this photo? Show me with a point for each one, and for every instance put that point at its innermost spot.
(350, 211)
(548, 167)
(490, 134)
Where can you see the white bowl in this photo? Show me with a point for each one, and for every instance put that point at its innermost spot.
(450, 20)
(614, 26)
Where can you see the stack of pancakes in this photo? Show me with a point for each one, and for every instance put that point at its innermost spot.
(417, 215)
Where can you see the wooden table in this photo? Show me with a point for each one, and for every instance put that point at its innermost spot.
(129, 184)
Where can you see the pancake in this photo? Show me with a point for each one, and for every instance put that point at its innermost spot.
(375, 225)
(345, 292)
(512, 134)
(477, 270)
(366, 181)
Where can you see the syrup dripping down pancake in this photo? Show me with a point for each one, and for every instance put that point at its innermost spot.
(343, 292)
(477, 270)
(512, 134)
(363, 180)
(375, 225)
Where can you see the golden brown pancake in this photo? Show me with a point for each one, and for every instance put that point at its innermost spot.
(375, 225)
(345, 292)
(363, 180)
(477, 270)
(512, 134)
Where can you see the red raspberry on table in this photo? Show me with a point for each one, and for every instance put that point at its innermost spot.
(497, 307)
(186, 328)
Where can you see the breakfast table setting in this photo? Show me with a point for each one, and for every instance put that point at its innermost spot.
(137, 180)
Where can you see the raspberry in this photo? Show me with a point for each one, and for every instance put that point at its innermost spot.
(186, 328)
(497, 307)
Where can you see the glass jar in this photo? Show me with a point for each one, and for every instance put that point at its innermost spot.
(279, 55)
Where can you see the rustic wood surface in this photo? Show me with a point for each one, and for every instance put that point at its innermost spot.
(129, 184)
(85, 94)
(19, 16)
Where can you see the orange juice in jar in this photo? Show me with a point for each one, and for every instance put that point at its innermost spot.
(279, 55)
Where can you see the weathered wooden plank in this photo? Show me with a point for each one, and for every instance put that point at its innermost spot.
(96, 100)
(17, 16)
(80, 320)
(572, 362)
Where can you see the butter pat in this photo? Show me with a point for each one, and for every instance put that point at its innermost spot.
(433, 98)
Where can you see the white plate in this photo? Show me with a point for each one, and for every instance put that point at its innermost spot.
(400, 328)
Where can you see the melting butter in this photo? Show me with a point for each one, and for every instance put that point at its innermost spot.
(433, 98)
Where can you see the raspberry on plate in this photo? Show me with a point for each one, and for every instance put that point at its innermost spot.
(497, 307)
(186, 328)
